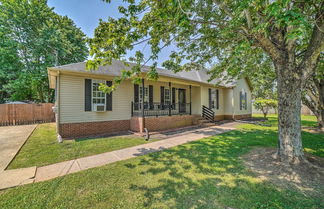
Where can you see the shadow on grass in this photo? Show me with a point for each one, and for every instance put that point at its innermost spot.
(209, 174)
(306, 120)
(107, 136)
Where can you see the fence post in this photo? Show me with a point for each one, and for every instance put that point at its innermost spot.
(14, 114)
(33, 112)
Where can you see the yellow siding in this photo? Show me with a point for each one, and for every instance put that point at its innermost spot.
(196, 102)
(72, 102)
(205, 99)
(204, 96)
(220, 111)
(72, 99)
(228, 101)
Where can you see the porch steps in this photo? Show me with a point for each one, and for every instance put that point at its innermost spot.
(208, 124)
(202, 122)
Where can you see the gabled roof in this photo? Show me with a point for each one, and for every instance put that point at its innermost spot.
(116, 67)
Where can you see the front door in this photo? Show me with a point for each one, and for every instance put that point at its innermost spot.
(182, 100)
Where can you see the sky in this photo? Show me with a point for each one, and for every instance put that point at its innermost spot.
(86, 15)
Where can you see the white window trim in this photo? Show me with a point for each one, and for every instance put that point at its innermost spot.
(92, 95)
(140, 96)
(166, 101)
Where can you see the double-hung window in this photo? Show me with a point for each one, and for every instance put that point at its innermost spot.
(146, 94)
(98, 97)
(214, 99)
(243, 100)
(167, 96)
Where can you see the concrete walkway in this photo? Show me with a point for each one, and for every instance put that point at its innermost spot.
(11, 140)
(60, 169)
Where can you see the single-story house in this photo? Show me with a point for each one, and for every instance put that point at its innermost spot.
(174, 100)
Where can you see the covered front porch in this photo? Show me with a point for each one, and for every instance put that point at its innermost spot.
(160, 109)
(162, 99)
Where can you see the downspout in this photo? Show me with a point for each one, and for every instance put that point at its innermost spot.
(190, 111)
(58, 108)
(233, 105)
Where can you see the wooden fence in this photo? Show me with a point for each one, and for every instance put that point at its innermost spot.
(18, 114)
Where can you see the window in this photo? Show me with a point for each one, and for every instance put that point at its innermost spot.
(167, 96)
(98, 97)
(146, 94)
(214, 99)
(243, 100)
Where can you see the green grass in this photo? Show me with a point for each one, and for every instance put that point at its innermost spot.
(42, 148)
(207, 173)
(307, 120)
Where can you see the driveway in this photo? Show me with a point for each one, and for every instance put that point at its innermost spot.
(11, 140)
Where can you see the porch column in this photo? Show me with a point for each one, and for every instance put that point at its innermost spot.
(142, 97)
(170, 94)
(143, 117)
(190, 99)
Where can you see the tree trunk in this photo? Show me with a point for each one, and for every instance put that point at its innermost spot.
(265, 115)
(289, 125)
(320, 117)
(314, 99)
(40, 95)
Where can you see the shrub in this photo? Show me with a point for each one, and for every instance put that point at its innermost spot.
(265, 105)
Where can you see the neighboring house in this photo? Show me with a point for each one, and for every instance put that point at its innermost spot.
(175, 100)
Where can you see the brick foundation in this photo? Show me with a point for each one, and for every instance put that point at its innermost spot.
(162, 122)
(136, 124)
(86, 129)
(237, 117)
(219, 117)
(75, 130)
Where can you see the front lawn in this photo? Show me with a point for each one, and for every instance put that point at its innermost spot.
(207, 173)
(42, 148)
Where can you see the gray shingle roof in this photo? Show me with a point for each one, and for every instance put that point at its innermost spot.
(116, 67)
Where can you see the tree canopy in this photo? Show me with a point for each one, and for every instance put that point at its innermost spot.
(32, 38)
(264, 81)
(233, 36)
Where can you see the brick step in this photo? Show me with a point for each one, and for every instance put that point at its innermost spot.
(207, 124)
(197, 120)
(203, 121)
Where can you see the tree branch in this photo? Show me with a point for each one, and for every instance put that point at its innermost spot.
(142, 41)
(268, 46)
(309, 104)
(315, 47)
(265, 43)
(225, 8)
